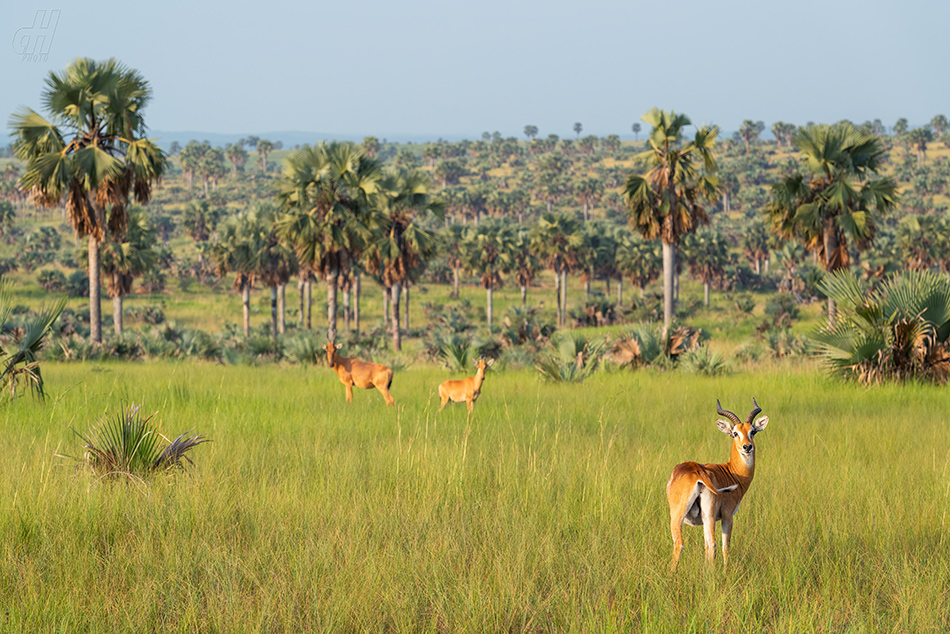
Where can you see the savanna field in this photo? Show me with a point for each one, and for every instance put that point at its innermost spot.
(543, 512)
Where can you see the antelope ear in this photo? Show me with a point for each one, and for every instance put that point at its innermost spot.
(724, 426)
(489, 362)
(760, 424)
(339, 345)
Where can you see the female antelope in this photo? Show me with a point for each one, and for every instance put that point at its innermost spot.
(705, 494)
(466, 389)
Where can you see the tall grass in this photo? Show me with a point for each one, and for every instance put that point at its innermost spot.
(545, 512)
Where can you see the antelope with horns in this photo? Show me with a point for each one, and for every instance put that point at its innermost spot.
(703, 494)
(466, 389)
(360, 373)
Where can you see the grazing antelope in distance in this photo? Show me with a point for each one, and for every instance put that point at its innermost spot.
(466, 389)
(360, 373)
(703, 494)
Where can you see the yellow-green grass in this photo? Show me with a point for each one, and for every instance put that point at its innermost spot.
(544, 512)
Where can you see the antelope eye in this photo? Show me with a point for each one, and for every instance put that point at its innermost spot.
(752, 433)
(735, 435)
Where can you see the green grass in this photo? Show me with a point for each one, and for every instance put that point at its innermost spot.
(545, 512)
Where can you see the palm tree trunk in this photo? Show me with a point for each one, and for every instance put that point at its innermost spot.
(395, 292)
(407, 306)
(455, 281)
(95, 307)
(387, 319)
(356, 305)
(117, 314)
(282, 308)
(706, 294)
(308, 295)
(563, 297)
(524, 297)
(831, 247)
(273, 311)
(620, 291)
(246, 305)
(300, 288)
(333, 276)
(766, 268)
(346, 309)
(669, 269)
(490, 294)
(557, 294)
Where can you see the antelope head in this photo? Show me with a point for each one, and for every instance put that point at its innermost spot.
(331, 348)
(742, 433)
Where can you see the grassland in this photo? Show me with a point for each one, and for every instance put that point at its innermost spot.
(544, 512)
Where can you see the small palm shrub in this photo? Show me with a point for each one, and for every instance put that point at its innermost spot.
(640, 346)
(129, 444)
(572, 357)
(897, 331)
(703, 361)
(305, 349)
(20, 351)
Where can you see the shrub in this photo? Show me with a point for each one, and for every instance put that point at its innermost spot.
(77, 284)
(305, 349)
(572, 357)
(127, 444)
(897, 331)
(703, 361)
(51, 280)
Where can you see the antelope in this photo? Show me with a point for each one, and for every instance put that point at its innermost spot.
(466, 389)
(705, 494)
(360, 373)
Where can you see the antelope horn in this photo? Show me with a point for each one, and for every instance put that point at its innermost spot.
(722, 412)
(754, 411)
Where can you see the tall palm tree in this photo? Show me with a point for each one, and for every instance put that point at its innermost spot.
(836, 198)
(557, 240)
(124, 261)
(239, 249)
(588, 192)
(668, 201)
(450, 245)
(525, 263)
(707, 254)
(325, 191)
(238, 157)
(640, 260)
(91, 154)
(264, 147)
(276, 265)
(489, 247)
(402, 242)
(918, 139)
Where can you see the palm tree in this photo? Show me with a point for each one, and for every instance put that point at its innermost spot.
(640, 260)
(939, 124)
(402, 243)
(531, 131)
(238, 157)
(240, 250)
(190, 160)
(900, 127)
(325, 190)
(525, 263)
(489, 247)
(588, 191)
(91, 153)
(707, 254)
(450, 245)
(577, 128)
(755, 244)
(124, 261)
(636, 127)
(667, 201)
(919, 138)
(276, 264)
(822, 206)
(264, 147)
(557, 240)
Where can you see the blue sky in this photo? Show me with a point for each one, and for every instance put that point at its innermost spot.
(427, 68)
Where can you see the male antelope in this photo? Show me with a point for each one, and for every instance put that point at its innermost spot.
(704, 494)
(359, 373)
(466, 389)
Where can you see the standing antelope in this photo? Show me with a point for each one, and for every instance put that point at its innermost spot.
(360, 373)
(466, 389)
(704, 494)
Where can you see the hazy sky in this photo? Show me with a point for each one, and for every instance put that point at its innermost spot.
(440, 67)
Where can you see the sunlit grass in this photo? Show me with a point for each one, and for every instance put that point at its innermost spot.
(545, 512)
